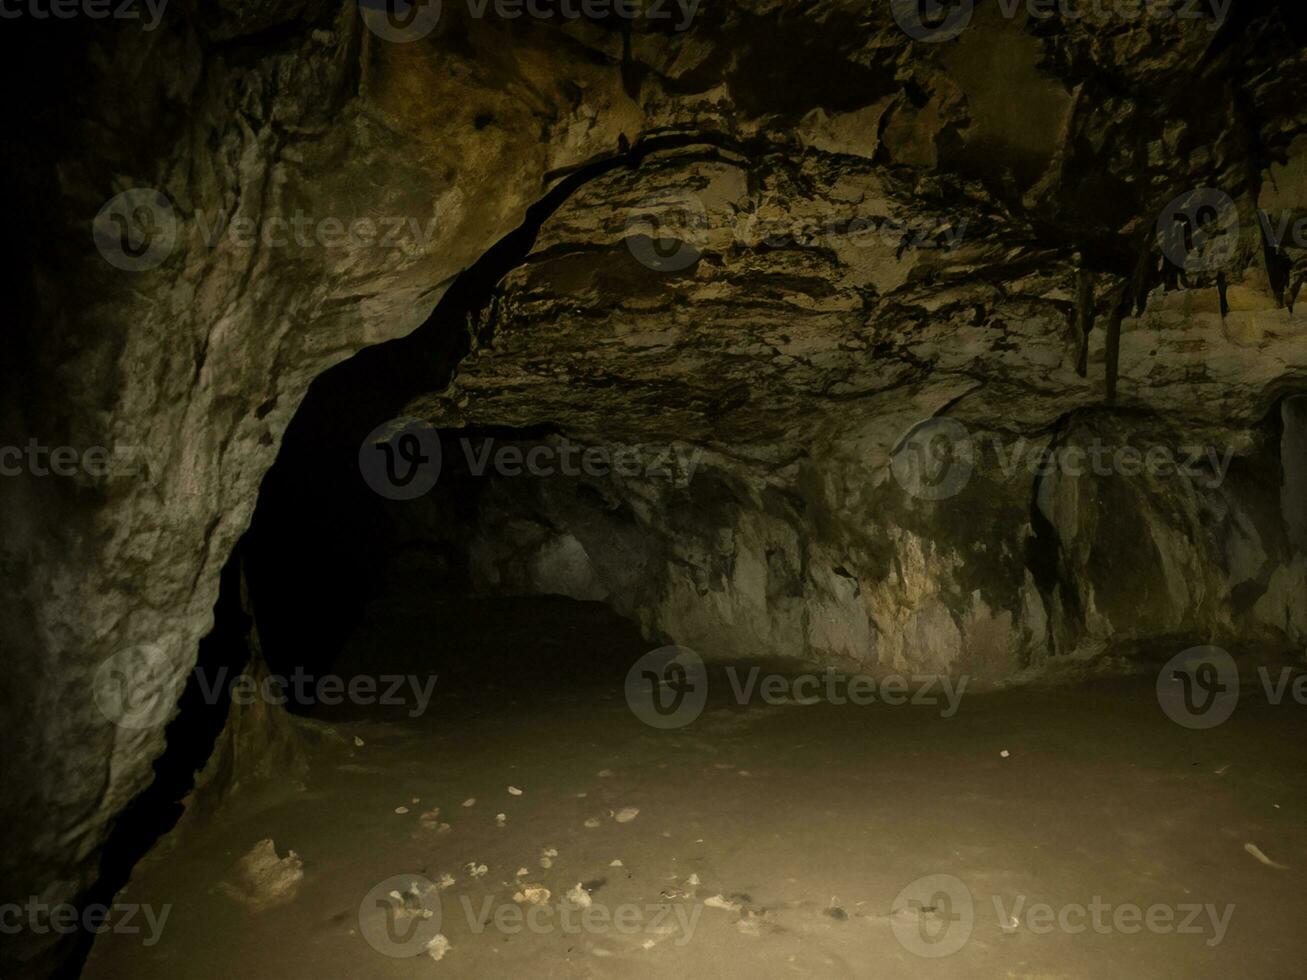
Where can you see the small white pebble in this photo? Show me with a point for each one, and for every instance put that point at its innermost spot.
(438, 947)
(514, 791)
(522, 872)
(1005, 753)
(401, 810)
(617, 863)
(501, 818)
(592, 823)
(470, 801)
(359, 742)
(626, 814)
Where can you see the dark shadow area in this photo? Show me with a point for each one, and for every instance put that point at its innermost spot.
(190, 737)
(314, 544)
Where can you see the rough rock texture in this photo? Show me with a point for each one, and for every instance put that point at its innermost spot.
(796, 360)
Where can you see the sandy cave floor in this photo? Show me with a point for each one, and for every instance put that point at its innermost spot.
(801, 825)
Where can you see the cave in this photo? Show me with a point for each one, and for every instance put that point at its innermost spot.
(605, 488)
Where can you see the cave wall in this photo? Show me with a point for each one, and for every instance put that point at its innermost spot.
(1025, 568)
(248, 110)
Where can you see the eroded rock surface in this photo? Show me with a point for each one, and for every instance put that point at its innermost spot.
(1015, 159)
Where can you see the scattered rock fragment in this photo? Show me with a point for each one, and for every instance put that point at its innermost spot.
(438, 946)
(264, 881)
(1260, 855)
(722, 902)
(626, 814)
(532, 895)
(431, 821)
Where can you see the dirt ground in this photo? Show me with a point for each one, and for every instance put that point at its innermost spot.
(770, 841)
